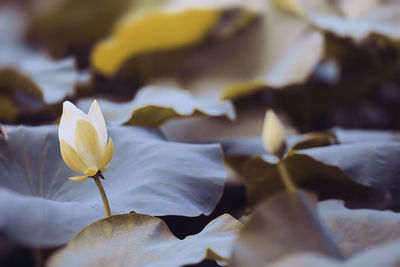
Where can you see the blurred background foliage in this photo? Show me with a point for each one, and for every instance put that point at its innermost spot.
(206, 71)
(322, 63)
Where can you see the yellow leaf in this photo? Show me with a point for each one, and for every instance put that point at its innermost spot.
(240, 90)
(156, 31)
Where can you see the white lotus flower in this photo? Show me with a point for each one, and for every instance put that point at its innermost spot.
(83, 140)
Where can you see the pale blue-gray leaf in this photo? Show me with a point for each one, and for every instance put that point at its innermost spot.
(154, 105)
(374, 164)
(39, 206)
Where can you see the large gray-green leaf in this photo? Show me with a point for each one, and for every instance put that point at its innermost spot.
(239, 150)
(356, 230)
(154, 105)
(282, 225)
(40, 206)
(358, 136)
(340, 136)
(374, 164)
(142, 240)
(365, 157)
(262, 178)
(252, 146)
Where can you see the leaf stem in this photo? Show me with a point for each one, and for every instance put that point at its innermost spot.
(286, 179)
(103, 195)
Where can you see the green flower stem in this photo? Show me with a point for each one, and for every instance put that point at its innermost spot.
(103, 195)
(286, 179)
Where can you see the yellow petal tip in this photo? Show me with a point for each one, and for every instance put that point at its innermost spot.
(78, 178)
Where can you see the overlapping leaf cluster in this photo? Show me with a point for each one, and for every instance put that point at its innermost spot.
(184, 86)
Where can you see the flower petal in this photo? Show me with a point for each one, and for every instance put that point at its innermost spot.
(78, 178)
(107, 156)
(71, 157)
(273, 133)
(71, 114)
(97, 119)
(87, 143)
